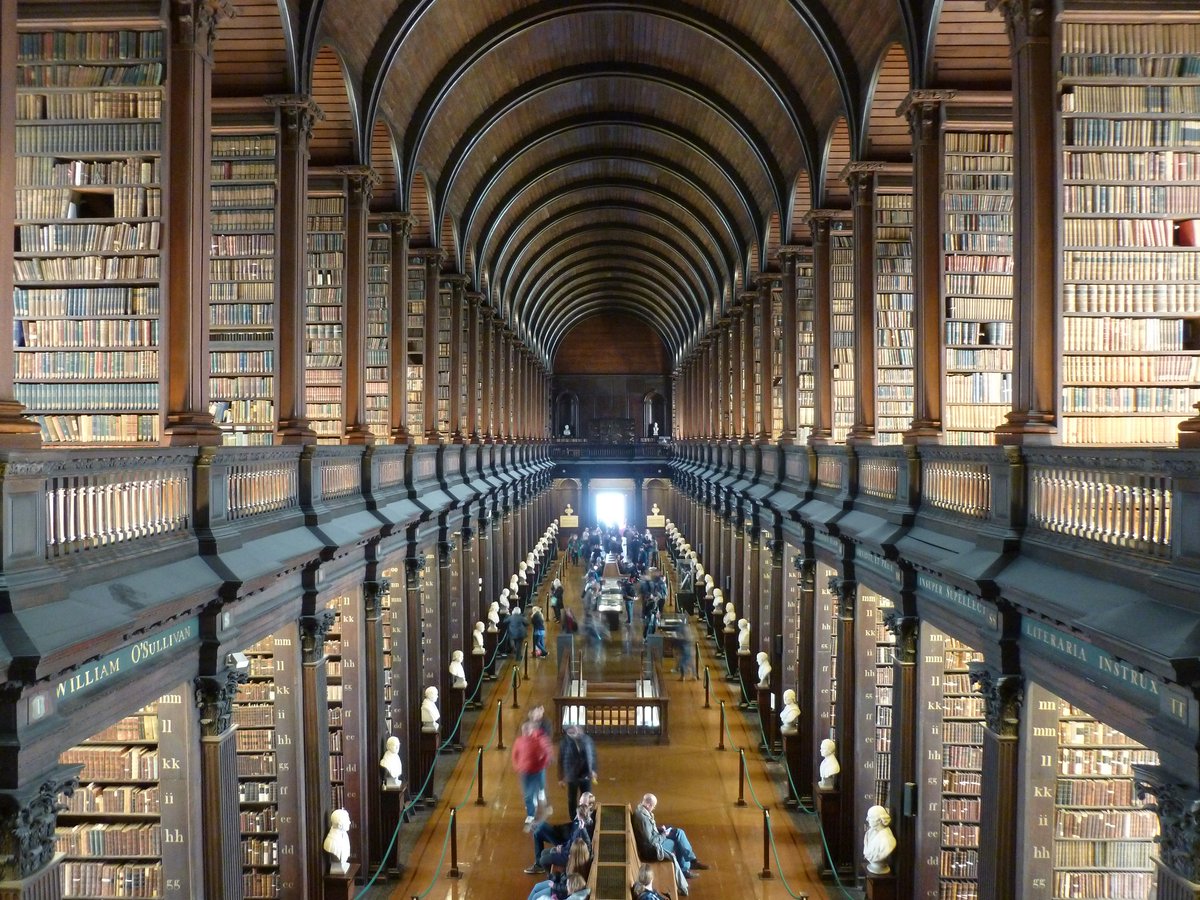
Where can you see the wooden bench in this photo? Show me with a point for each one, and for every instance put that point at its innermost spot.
(615, 861)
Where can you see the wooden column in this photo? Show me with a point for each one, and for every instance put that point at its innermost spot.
(374, 733)
(712, 380)
(721, 381)
(362, 181)
(16, 431)
(847, 848)
(28, 816)
(860, 177)
(187, 203)
(400, 225)
(429, 355)
(906, 716)
(1034, 416)
(458, 434)
(299, 113)
(487, 383)
(314, 716)
(822, 430)
(221, 834)
(736, 365)
(999, 864)
(766, 285)
(502, 381)
(806, 689)
(790, 384)
(747, 369)
(923, 110)
(475, 427)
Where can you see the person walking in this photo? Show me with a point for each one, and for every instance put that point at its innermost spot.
(531, 753)
(576, 764)
(537, 623)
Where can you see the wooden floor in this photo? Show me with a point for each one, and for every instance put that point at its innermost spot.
(696, 785)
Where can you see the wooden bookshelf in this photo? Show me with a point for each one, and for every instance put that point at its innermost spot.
(243, 306)
(87, 255)
(841, 280)
(977, 266)
(343, 658)
(952, 757)
(826, 655)
(894, 336)
(1130, 207)
(883, 645)
(325, 306)
(387, 626)
(805, 378)
(776, 420)
(873, 648)
(379, 304)
(415, 376)
(265, 713)
(124, 832)
(444, 363)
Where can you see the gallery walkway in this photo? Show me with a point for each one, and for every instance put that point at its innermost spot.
(697, 787)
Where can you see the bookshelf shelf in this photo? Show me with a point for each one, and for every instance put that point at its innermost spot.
(894, 335)
(88, 143)
(1129, 100)
(841, 265)
(805, 379)
(379, 264)
(325, 311)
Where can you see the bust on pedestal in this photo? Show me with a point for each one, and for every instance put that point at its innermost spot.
(458, 675)
(431, 716)
(764, 670)
(390, 762)
(878, 842)
(477, 638)
(730, 619)
(493, 615)
(743, 636)
(829, 764)
(337, 842)
(790, 713)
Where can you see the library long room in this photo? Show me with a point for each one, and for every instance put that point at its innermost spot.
(797, 400)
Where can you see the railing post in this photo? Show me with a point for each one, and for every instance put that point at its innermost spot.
(766, 869)
(741, 800)
(479, 801)
(499, 724)
(707, 687)
(721, 737)
(516, 675)
(525, 653)
(454, 872)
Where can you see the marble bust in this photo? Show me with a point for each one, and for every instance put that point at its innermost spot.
(743, 636)
(337, 842)
(477, 637)
(718, 603)
(493, 616)
(458, 675)
(829, 764)
(790, 714)
(764, 670)
(431, 716)
(390, 762)
(878, 841)
(730, 617)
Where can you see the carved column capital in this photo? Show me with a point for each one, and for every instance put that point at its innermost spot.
(1024, 18)
(906, 629)
(27, 822)
(299, 112)
(214, 696)
(1178, 811)
(373, 594)
(363, 181)
(313, 630)
(194, 23)
(845, 591)
(1002, 698)
(400, 222)
(923, 110)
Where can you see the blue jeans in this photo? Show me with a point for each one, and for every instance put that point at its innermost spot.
(628, 612)
(532, 785)
(680, 847)
(539, 642)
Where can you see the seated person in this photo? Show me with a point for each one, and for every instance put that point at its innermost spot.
(658, 842)
(579, 860)
(560, 838)
(643, 888)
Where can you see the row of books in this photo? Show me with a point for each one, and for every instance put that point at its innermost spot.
(226, 221)
(89, 237)
(1092, 823)
(243, 195)
(95, 428)
(1081, 333)
(1088, 39)
(1177, 99)
(95, 879)
(89, 46)
(87, 268)
(1119, 298)
(109, 839)
(1120, 233)
(1130, 369)
(106, 333)
(46, 171)
(133, 397)
(89, 105)
(1129, 400)
(1131, 430)
(102, 138)
(114, 763)
(1131, 165)
(239, 147)
(133, 75)
(1131, 199)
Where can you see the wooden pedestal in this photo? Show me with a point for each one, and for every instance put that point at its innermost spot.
(881, 887)
(747, 671)
(427, 744)
(452, 708)
(340, 887)
(491, 637)
(729, 650)
(798, 781)
(830, 812)
(474, 676)
(766, 715)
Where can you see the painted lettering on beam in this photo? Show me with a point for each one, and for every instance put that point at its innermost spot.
(97, 672)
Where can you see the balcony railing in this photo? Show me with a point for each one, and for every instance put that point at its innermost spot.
(650, 448)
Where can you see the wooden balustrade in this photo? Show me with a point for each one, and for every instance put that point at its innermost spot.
(262, 484)
(1130, 510)
(879, 477)
(113, 498)
(830, 469)
(959, 486)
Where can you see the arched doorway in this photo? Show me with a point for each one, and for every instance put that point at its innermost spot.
(654, 413)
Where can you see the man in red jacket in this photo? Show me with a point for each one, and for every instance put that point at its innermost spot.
(531, 753)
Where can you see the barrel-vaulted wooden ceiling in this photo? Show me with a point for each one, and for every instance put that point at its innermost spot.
(645, 157)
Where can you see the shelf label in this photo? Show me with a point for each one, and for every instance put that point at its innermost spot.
(94, 674)
(1106, 670)
(959, 600)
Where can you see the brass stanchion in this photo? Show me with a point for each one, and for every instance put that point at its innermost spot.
(741, 800)
(707, 687)
(479, 775)
(454, 872)
(721, 737)
(499, 724)
(766, 869)
(516, 674)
